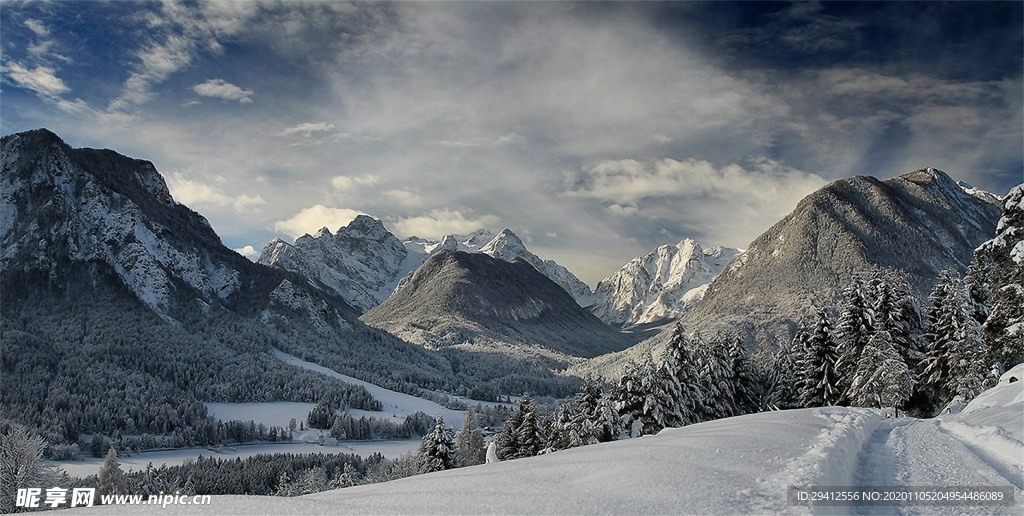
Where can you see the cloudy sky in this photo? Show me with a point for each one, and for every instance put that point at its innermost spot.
(596, 131)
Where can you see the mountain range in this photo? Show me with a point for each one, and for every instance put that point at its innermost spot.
(477, 309)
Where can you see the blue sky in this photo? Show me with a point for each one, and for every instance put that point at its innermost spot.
(595, 131)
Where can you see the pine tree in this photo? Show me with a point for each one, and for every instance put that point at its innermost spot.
(685, 401)
(437, 449)
(589, 417)
(817, 365)
(469, 442)
(712, 363)
(853, 330)
(745, 381)
(111, 478)
(897, 313)
(521, 435)
(629, 396)
(882, 378)
(1002, 259)
(531, 439)
(956, 360)
(782, 379)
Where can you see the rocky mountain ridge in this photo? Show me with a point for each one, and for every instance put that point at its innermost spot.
(660, 285)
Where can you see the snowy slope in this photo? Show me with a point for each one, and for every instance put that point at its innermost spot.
(395, 404)
(730, 466)
(660, 284)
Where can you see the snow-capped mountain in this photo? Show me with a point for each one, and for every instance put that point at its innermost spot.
(360, 263)
(364, 263)
(471, 299)
(81, 222)
(921, 222)
(509, 247)
(659, 285)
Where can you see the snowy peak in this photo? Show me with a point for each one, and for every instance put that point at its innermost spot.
(361, 263)
(87, 216)
(508, 246)
(921, 222)
(659, 285)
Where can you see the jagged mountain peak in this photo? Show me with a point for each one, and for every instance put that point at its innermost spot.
(366, 226)
(360, 263)
(659, 285)
(505, 243)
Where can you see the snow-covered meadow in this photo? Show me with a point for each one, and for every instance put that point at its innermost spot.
(736, 465)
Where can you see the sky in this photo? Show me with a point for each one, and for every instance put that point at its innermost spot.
(595, 131)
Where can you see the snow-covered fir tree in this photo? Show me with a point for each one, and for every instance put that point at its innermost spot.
(956, 359)
(469, 441)
(854, 328)
(897, 312)
(1003, 260)
(437, 449)
(110, 479)
(642, 399)
(682, 382)
(745, 379)
(521, 435)
(782, 380)
(882, 378)
(589, 417)
(817, 366)
(712, 363)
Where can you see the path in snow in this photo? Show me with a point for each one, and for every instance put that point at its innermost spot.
(396, 405)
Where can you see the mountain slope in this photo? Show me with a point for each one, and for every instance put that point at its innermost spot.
(659, 285)
(121, 284)
(509, 247)
(921, 223)
(457, 297)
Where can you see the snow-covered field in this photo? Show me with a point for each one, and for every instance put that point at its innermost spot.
(138, 461)
(736, 465)
(395, 404)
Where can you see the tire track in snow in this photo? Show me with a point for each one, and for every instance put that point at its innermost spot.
(991, 445)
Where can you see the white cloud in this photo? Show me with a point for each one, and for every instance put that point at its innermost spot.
(311, 219)
(403, 198)
(193, 193)
(629, 181)
(41, 79)
(179, 31)
(622, 211)
(730, 204)
(307, 129)
(444, 221)
(249, 252)
(350, 182)
(221, 89)
(37, 27)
